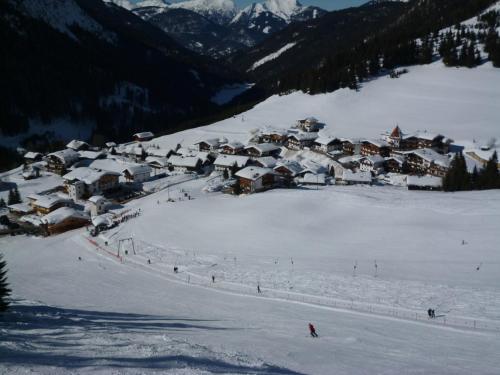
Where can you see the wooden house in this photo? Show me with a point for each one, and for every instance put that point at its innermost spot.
(255, 179)
(232, 148)
(427, 161)
(265, 162)
(208, 144)
(356, 178)
(326, 145)
(78, 145)
(299, 141)
(395, 164)
(262, 149)
(157, 163)
(164, 153)
(185, 164)
(351, 146)
(84, 182)
(277, 136)
(309, 124)
(372, 163)
(375, 147)
(286, 171)
(231, 163)
(64, 219)
(45, 204)
(59, 161)
(32, 157)
(418, 140)
(137, 172)
(143, 136)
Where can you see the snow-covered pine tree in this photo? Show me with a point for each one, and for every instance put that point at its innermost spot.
(4, 286)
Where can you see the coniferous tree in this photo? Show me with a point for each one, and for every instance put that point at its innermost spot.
(225, 174)
(489, 177)
(11, 197)
(17, 195)
(457, 178)
(4, 286)
(2, 203)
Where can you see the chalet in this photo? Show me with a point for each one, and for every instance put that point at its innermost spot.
(312, 179)
(137, 172)
(482, 156)
(263, 149)
(265, 162)
(277, 136)
(356, 178)
(91, 155)
(77, 145)
(427, 161)
(288, 169)
(33, 171)
(160, 152)
(97, 205)
(133, 151)
(64, 219)
(372, 163)
(157, 163)
(424, 182)
(232, 148)
(310, 166)
(208, 144)
(301, 140)
(231, 163)
(375, 147)
(59, 161)
(143, 136)
(20, 209)
(309, 124)
(395, 164)
(255, 179)
(351, 146)
(83, 182)
(44, 204)
(418, 140)
(185, 163)
(326, 145)
(32, 157)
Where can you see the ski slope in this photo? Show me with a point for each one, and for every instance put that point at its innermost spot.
(133, 317)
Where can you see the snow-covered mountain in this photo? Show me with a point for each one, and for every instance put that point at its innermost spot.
(219, 11)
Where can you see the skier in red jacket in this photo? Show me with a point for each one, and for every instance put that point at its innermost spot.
(312, 330)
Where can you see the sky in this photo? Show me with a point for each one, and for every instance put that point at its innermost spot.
(325, 4)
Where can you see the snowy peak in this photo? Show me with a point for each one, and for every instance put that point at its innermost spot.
(285, 10)
(220, 11)
(151, 3)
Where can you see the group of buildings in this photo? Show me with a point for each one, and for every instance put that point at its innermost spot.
(301, 155)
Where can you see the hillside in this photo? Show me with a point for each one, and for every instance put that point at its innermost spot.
(100, 67)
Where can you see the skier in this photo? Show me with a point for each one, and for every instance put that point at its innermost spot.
(149, 261)
(258, 289)
(429, 312)
(176, 269)
(213, 278)
(312, 330)
(433, 312)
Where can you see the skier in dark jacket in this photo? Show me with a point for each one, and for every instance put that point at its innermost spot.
(312, 330)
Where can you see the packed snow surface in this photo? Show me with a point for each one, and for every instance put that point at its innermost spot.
(272, 56)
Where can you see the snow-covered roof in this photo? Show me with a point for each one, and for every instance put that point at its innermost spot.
(234, 145)
(424, 181)
(230, 160)
(159, 152)
(104, 219)
(377, 142)
(312, 167)
(373, 159)
(399, 159)
(431, 156)
(212, 142)
(267, 161)
(423, 134)
(20, 207)
(271, 131)
(110, 144)
(304, 136)
(350, 176)
(253, 173)
(162, 162)
(350, 158)
(96, 199)
(354, 141)
(325, 141)
(143, 135)
(293, 166)
(48, 201)
(92, 155)
(184, 161)
(87, 175)
(315, 179)
(67, 156)
(264, 147)
(62, 214)
(32, 155)
(76, 144)
(135, 169)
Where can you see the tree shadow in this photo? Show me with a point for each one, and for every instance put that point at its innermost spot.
(39, 335)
